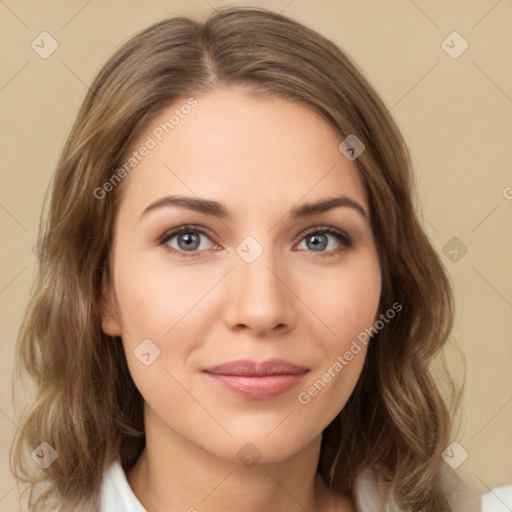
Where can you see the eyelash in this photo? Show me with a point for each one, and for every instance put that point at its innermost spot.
(343, 238)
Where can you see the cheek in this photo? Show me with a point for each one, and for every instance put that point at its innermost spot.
(347, 301)
(346, 298)
(155, 297)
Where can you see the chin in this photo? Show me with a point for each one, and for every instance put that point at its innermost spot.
(254, 446)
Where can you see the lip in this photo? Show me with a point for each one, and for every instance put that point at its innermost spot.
(257, 380)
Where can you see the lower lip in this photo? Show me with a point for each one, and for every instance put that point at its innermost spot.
(261, 388)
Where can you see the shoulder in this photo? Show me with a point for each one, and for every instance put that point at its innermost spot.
(375, 495)
(116, 494)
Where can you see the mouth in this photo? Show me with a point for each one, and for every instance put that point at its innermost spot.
(257, 380)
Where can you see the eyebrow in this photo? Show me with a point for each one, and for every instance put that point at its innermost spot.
(210, 207)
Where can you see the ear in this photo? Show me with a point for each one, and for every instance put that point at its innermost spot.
(110, 323)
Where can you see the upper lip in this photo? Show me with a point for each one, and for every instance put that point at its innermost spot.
(246, 367)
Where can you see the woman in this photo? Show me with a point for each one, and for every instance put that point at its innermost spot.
(236, 305)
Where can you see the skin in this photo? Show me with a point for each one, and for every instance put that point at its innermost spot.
(259, 157)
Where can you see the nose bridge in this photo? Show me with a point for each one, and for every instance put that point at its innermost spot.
(258, 295)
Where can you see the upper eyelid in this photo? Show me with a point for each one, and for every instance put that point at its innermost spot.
(171, 233)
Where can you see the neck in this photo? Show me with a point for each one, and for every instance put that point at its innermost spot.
(174, 474)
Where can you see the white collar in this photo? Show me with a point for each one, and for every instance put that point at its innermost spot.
(116, 493)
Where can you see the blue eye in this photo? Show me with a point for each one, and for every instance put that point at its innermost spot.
(189, 244)
(188, 239)
(318, 240)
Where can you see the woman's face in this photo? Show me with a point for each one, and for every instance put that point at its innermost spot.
(254, 277)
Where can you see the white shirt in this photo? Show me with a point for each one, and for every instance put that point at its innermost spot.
(371, 496)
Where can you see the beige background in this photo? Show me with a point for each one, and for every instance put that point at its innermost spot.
(456, 115)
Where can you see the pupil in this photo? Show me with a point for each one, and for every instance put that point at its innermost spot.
(316, 243)
(191, 240)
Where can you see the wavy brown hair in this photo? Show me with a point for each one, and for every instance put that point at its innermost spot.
(86, 406)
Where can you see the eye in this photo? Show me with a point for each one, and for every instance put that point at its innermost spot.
(317, 240)
(186, 240)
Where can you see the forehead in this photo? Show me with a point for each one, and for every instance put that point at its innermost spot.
(245, 151)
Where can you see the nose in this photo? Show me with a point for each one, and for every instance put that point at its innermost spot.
(260, 297)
